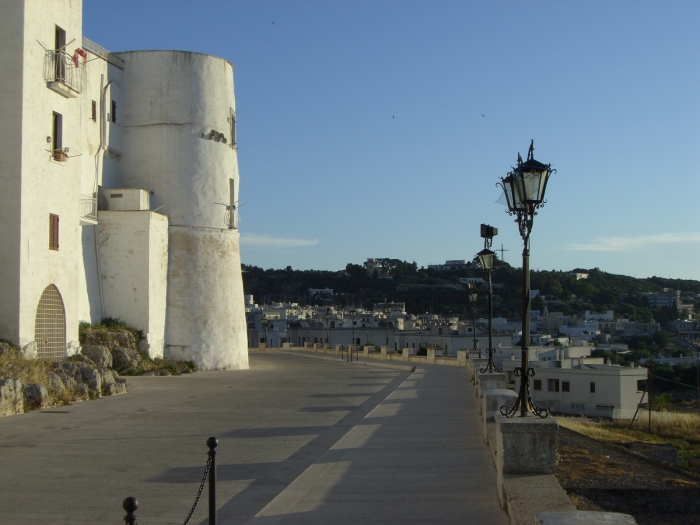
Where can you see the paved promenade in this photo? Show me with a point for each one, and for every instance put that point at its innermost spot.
(301, 440)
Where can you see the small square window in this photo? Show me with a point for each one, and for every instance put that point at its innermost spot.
(538, 384)
(592, 388)
(94, 111)
(565, 386)
(552, 385)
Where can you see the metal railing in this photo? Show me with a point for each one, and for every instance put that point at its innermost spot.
(130, 505)
(88, 207)
(58, 67)
(101, 52)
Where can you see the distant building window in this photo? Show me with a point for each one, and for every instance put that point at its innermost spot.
(538, 384)
(641, 385)
(552, 385)
(53, 232)
(565, 386)
(578, 406)
(592, 388)
(94, 111)
(604, 407)
(114, 111)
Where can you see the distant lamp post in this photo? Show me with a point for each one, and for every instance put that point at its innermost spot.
(387, 311)
(353, 314)
(487, 260)
(524, 189)
(308, 327)
(327, 317)
(473, 298)
(264, 323)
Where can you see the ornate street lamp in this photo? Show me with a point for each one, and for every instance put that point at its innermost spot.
(524, 189)
(353, 314)
(387, 310)
(264, 323)
(473, 297)
(327, 317)
(487, 260)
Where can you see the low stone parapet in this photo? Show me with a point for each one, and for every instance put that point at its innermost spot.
(584, 518)
(489, 381)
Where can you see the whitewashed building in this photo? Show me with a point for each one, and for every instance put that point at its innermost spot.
(120, 181)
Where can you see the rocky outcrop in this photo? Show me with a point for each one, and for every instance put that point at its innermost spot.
(112, 339)
(100, 355)
(88, 378)
(36, 396)
(11, 396)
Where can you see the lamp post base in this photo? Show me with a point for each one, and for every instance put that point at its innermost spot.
(524, 402)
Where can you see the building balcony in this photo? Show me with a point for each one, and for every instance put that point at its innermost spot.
(61, 75)
(88, 210)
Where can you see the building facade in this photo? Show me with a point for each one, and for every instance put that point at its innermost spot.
(120, 178)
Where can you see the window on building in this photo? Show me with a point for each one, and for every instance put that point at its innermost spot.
(565, 386)
(57, 134)
(114, 111)
(592, 388)
(578, 406)
(538, 384)
(232, 122)
(552, 385)
(641, 385)
(605, 407)
(53, 232)
(94, 111)
(60, 44)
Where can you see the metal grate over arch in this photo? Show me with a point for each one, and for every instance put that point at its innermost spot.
(50, 326)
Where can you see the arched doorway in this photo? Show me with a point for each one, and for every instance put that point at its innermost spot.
(50, 326)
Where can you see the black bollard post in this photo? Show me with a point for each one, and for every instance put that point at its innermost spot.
(130, 505)
(212, 442)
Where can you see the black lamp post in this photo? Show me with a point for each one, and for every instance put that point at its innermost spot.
(487, 260)
(353, 314)
(524, 189)
(387, 310)
(264, 323)
(473, 297)
(327, 317)
(308, 327)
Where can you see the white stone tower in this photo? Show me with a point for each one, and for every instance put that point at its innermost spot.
(179, 142)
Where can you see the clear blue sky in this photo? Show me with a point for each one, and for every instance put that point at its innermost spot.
(361, 134)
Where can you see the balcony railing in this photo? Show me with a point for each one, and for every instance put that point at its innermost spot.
(101, 52)
(58, 67)
(88, 209)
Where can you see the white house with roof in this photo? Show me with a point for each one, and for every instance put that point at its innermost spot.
(568, 381)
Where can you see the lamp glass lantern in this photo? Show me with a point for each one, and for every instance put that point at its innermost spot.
(524, 187)
(487, 259)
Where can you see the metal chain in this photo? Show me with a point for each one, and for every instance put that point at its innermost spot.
(199, 492)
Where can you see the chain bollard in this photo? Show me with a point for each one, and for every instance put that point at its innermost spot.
(212, 442)
(130, 505)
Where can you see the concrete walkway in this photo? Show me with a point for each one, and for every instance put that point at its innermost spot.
(301, 440)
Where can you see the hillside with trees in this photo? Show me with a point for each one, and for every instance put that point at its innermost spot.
(439, 292)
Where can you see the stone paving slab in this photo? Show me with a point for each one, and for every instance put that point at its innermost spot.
(412, 457)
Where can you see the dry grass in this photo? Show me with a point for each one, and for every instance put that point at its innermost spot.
(32, 371)
(579, 463)
(13, 364)
(680, 429)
